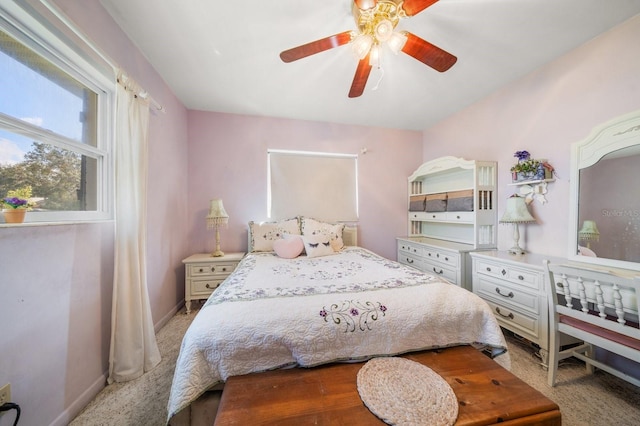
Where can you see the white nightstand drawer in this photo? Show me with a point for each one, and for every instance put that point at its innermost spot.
(509, 296)
(204, 287)
(207, 269)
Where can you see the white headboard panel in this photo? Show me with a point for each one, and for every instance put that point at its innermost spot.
(350, 235)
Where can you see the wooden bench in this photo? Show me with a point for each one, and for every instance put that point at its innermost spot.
(327, 395)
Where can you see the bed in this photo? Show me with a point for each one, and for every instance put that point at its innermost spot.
(344, 305)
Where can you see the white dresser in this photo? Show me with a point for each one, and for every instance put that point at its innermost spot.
(515, 286)
(445, 258)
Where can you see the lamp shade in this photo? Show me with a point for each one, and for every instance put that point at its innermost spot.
(217, 214)
(589, 231)
(516, 211)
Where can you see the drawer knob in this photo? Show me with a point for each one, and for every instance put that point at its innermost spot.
(224, 269)
(434, 216)
(488, 269)
(438, 255)
(207, 286)
(446, 258)
(510, 295)
(201, 270)
(520, 277)
(458, 217)
(439, 273)
(213, 269)
(504, 272)
(510, 316)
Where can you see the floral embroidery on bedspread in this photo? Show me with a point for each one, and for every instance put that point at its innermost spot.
(353, 315)
(311, 276)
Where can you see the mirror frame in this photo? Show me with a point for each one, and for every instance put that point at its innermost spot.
(621, 132)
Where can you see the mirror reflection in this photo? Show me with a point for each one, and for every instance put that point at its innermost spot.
(609, 207)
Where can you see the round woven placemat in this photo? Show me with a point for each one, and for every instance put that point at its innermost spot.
(403, 392)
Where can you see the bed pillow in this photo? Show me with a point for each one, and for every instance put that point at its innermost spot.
(262, 235)
(332, 230)
(289, 247)
(317, 245)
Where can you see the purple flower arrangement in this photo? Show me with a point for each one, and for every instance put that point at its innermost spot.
(15, 203)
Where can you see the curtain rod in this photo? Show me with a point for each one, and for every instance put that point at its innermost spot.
(114, 66)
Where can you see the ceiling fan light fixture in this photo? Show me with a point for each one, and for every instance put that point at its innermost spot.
(384, 30)
(396, 41)
(361, 45)
(374, 56)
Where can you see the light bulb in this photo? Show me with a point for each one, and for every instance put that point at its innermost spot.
(384, 30)
(396, 42)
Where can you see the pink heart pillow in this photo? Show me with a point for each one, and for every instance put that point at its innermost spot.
(289, 247)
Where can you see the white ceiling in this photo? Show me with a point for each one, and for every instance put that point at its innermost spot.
(223, 55)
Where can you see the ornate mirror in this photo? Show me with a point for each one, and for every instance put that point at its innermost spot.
(605, 195)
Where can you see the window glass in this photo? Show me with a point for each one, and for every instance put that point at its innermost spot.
(49, 145)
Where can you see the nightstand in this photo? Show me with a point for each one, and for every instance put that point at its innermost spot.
(204, 273)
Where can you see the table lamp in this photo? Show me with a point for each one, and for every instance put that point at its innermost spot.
(217, 216)
(589, 232)
(516, 213)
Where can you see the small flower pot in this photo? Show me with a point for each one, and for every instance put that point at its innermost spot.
(14, 215)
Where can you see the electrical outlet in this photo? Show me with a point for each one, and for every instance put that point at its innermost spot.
(5, 394)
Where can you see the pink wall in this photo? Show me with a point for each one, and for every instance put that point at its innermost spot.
(544, 113)
(228, 160)
(56, 281)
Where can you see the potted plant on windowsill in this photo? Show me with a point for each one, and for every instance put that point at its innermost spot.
(527, 168)
(16, 205)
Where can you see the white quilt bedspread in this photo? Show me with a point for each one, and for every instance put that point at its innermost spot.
(272, 313)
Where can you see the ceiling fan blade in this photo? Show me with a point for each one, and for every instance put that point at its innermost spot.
(314, 47)
(413, 7)
(361, 77)
(427, 53)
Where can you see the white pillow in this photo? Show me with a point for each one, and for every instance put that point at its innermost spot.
(263, 234)
(317, 245)
(332, 230)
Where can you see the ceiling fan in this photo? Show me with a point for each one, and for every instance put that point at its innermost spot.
(376, 21)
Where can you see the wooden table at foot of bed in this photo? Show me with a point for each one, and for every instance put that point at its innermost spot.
(327, 395)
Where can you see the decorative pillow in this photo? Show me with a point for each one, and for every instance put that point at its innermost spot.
(317, 245)
(332, 230)
(288, 247)
(262, 235)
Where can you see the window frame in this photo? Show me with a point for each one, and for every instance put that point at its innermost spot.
(21, 21)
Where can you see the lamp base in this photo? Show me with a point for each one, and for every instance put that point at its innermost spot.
(516, 250)
(217, 253)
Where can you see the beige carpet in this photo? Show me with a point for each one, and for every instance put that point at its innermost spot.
(599, 399)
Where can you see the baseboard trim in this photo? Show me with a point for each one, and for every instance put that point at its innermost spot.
(81, 402)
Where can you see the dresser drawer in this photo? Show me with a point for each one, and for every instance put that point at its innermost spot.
(438, 269)
(508, 295)
(208, 269)
(465, 217)
(526, 325)
(410, 260)
(514, 274)
(441, 257)
(408, 249)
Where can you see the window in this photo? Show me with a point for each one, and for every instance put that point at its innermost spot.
(53, 125)
(319, 185)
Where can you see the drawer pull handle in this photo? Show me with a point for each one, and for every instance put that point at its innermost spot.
(439, 273)
(510, 316)
(520, 277)
(504, 272)
(409, 260)
(510, 295)
(208, 286)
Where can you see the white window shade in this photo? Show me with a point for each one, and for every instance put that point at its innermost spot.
(319, 185)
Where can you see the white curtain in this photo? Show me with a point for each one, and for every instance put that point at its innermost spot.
(133, 343)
